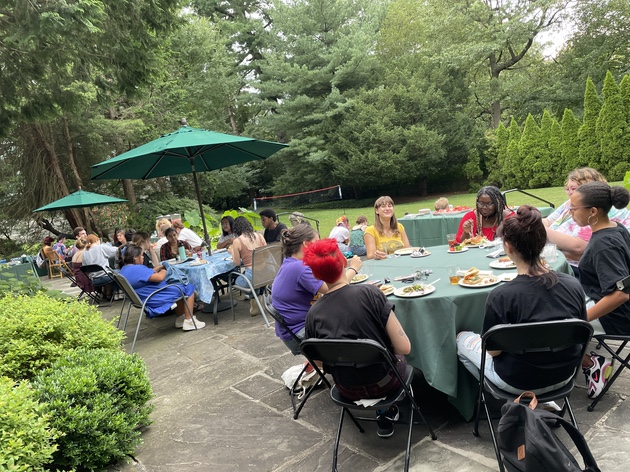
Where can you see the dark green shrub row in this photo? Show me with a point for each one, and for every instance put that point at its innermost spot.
(26, 440)
(98, 399)
(36, 331)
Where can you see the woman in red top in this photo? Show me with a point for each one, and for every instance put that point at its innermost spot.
(484, 220)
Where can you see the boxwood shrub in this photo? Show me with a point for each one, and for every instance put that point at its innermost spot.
(36, 331)
(98, 399)
(26, 440)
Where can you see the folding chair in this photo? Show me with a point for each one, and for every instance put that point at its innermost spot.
(131, 296)
(91, 268)
(544, 336)
(279, 319)
(360, 353)
(266, 262)
(70, 276)
(616, 355)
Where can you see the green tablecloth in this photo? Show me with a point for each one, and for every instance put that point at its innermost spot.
(432, 321)
(431, 230)
(20, 271)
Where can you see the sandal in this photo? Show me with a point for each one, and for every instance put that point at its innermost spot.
(199, 306)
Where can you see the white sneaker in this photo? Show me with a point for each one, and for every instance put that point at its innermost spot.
(189, 326)
(179, 321)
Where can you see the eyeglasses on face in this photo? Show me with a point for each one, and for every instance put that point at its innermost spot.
(570, 190)
(485, 204)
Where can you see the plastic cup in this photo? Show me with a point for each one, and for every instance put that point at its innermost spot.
(453, 274)
(450, 238)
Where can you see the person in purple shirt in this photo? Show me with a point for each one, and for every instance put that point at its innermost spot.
(295, 287)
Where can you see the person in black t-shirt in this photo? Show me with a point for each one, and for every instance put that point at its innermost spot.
(606, 261)
(536, 294)
(273, 229)
(356, 312)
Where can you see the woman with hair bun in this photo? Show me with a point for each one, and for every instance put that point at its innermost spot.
(536, 294)
(295, 286)
(605, 262)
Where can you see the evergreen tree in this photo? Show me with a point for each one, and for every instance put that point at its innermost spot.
(587, 134)
(570, 146)
(556, 164)
(543, 169)
(512, 163)
(531, 151)
(498, 155)
(624, 88)
(611, 126)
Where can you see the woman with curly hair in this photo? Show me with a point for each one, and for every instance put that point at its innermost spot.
(386, 235)
(491, 209)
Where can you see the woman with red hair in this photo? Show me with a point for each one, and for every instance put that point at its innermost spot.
(356, 312)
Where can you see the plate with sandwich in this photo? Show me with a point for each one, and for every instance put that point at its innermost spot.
(387, 289)
(475, 241)
(472, 279)
(503, 263)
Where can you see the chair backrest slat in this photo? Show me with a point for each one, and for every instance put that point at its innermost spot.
(266, 262)
(126, 287)
(346, 352)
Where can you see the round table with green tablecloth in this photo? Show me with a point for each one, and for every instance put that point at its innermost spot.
(432, 321)
(431, 230)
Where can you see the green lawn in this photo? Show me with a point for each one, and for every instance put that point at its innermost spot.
(327, 218)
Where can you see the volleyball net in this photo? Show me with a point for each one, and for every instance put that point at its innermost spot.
(300, 199)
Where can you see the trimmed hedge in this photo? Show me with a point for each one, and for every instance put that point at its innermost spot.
(98, 399)
(26, 440)
(36, 331)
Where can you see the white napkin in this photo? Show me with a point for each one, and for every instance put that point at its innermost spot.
(365, 402)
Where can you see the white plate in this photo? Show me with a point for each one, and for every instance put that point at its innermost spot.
(406, 251)
(219, 251)
(486, 282)
(464, 249)
(399, 292)
(482, 273)
(196, 263)
(507, 277)
(502, 265)
(425, 254)
(357, 279)
(387, 289)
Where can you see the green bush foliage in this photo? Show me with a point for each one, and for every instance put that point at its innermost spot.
(36, 331)
(26, 440)
(98, 399)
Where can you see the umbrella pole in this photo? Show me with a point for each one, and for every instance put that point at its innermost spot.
(206, 237)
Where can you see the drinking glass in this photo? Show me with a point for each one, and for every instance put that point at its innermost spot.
(453, 274)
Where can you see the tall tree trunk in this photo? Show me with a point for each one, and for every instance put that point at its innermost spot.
(422, 186)
(232, 119)
(48, 147)
(129, 192)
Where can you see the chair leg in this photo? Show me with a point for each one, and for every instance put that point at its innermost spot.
(338, 438)
(135, 336)
(408, 450)
(262, 311)
(495, 444)
(414, 406)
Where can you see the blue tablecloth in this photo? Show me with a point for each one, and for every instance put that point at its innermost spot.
(201, 275)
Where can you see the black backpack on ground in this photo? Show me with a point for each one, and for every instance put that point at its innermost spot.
(528, 442)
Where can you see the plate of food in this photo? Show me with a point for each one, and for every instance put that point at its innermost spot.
(472, 279)
(508, 276)
(406, 251)
(197, 263)
(357, 279)
(457, 249)
(475, 241)
(503, 263)
(421, 252)
(387, 289)
(415, 290)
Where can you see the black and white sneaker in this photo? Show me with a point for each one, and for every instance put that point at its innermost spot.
(384, 420)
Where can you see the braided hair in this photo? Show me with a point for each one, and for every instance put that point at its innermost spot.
(499, 205)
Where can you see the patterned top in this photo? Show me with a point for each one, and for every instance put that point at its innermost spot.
(562, 221)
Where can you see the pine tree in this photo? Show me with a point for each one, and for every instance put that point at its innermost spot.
(556, 164)
(570, 146)
(624, 88)
(511, 165)
(496, 164)
(530, 151)
(587, 134)
(543, 169)
(611, 126)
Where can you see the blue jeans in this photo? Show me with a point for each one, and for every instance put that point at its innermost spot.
(293, 344)
(358, 250)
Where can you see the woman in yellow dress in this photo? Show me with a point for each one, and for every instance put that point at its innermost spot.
(386, 235)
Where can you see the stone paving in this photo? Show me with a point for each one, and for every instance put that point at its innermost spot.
(220, 405)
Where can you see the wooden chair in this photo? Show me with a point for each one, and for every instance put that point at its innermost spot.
(55, 263)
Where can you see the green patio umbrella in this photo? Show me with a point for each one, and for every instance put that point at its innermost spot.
(80, 199)
(187, 150)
